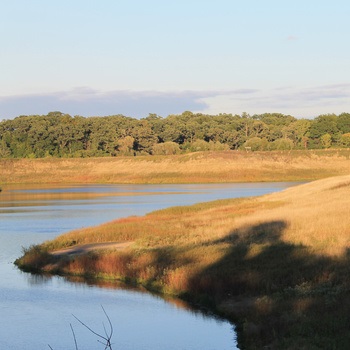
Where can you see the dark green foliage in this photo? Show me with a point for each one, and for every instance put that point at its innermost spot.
(343, 123)
(323, 125)
(61, 135)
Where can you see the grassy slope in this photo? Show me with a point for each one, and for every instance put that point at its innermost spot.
(201, 167)
(278, 264)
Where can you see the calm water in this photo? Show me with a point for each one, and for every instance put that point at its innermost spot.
(37, 311)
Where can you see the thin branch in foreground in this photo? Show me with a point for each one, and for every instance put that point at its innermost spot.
(75, 339)
(107, 338)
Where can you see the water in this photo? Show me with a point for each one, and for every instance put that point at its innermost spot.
(37, 311)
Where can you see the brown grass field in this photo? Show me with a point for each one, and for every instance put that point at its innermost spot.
(277, 265)
(200, 167)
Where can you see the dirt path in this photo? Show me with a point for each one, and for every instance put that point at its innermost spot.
(84, 248)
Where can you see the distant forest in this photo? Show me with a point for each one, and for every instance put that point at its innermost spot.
(61, 135)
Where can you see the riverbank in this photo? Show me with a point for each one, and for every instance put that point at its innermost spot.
(278, 265)
(198, 167)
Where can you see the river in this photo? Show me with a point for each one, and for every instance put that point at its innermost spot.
(37, 311)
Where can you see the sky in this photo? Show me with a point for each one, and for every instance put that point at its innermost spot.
(135, 57)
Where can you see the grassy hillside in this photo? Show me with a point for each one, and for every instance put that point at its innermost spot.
(278, 265)
(199, 167)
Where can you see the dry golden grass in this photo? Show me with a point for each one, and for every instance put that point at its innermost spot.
(205, 167)
(316, 215)
(279, 264)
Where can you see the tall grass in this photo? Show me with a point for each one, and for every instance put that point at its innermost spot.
(199, 167)
(278, 265)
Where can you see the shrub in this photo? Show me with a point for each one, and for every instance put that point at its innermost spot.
(281, 144)
(201, 145)
(256, 144)
(326, 140)
(345, 140)
(34, 258)
(165, 148)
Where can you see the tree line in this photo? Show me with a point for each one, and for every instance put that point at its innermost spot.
(61, 135)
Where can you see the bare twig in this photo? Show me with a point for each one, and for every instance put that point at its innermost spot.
(107, 338)
(75, 339)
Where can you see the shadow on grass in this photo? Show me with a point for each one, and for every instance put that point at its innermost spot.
(281, 295)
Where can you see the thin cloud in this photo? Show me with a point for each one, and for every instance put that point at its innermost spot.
(85, 101)
(299, 102)
(88, 102)
(304, 102)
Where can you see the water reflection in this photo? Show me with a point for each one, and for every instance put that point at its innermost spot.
(78, 281)
(37, 279)
(118, 285)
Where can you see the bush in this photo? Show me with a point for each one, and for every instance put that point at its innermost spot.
(201, 145)
(256, 144)
(34, 258)
(345, 140)
(281, 145)
(165, 148)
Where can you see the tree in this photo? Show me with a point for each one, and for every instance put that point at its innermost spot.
(345, 140)
(103, 138)
(326, 140)
(156, 123)
(126, 146)
(65, 134)
(343, 123)
(274, 133)
(144, 137)
(172, 132)
(60, 135)
(324, 124)
(5, 151)
(276, 119)
(298, 132)
(233, 139)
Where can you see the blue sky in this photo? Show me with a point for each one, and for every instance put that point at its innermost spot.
(135, 57)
